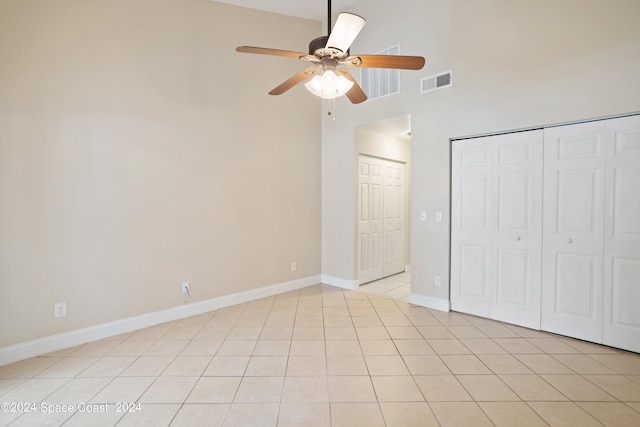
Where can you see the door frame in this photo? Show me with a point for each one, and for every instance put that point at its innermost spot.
(381, 225)
(372, 140)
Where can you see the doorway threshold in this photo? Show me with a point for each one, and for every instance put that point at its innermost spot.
(396, 287)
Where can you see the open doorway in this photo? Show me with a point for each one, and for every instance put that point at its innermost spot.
(383, 188)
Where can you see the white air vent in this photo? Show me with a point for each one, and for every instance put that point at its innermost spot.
(438, 81)
(378, 82)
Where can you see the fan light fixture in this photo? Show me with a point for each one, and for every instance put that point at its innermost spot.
(329, 55)
(329, 85)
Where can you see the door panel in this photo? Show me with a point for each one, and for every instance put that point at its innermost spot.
(575, 286)
(574, 158)
(474, 203)
(572, 146)
(513, 277)
(496, 232)
(381, 218)
(624, 290)
(473, 278)
(369, 225)
(471, 234)
(517, 234)
(515, 153)
(376, 221)
(622, 236)
(577, 201)
(513, 202)
(626, 209)
(394, 214)
(389, 202)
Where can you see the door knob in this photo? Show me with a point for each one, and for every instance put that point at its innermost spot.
(569, 240)
(517, 238)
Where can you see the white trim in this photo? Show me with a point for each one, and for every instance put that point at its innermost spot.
(338, 282)
(51, 343)
(430, 302)
(502, 132)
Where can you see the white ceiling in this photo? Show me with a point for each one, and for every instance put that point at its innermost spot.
(309, 9)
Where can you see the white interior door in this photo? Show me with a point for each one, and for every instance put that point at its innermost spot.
(496, 227)
(517, 227)
(622, 236)
(381, 225)
(370, 220)
(472, 274)
(574, 169)
(394, 217)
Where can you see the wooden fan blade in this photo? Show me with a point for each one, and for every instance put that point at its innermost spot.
(268, 51)
(356, 95)
(401, 62)
(297, 78)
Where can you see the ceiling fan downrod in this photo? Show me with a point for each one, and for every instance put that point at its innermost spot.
(329, 18)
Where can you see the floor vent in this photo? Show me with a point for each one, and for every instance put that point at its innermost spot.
(435, 82)
(379, 82)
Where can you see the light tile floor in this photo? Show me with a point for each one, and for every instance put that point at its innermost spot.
(323, 356)
(396, 287)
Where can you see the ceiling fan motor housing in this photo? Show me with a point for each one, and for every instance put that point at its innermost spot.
(317, 43)
(318, 47)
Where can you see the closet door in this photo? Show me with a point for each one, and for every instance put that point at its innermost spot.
(394, 213)
(472, 274)
(370, 226)
(517, 225)
(572, 276)
(381, 218)
(622, 236)
(496, 227)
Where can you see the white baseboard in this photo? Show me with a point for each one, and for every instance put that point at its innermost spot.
(430, 302)
(339, 283)
(52, 343)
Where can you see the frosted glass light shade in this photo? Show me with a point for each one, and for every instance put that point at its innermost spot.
(347, 28)
(329, 85)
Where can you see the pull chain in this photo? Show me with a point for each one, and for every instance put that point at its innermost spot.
(332, 107)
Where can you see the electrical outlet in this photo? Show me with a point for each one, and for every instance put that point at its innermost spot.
(437, 281)
(60, 310)
(185, 287)
(423, 216)
(294, 266)
(438, 216)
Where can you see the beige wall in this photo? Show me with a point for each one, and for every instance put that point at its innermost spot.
(138, 150)
(515, 64)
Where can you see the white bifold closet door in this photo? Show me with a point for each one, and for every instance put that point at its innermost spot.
(370, 221)
(381, 218)
(574, 188)
(591, 261)
(496, 227)
(621, 326)
(572, 270)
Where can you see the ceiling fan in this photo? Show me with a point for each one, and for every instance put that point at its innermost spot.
(329, 54)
